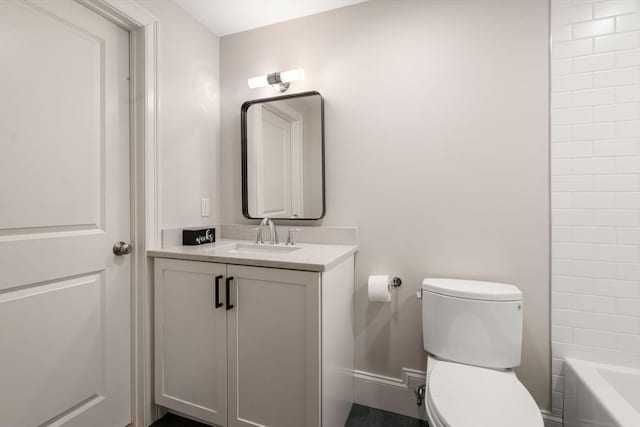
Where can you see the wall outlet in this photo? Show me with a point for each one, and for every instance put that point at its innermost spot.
(204, 207)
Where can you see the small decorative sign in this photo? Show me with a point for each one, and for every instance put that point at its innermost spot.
(198, 237)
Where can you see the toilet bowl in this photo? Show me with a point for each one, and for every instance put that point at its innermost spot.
(472, 332)
(468, 396)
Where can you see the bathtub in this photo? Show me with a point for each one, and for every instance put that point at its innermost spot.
(600, 395)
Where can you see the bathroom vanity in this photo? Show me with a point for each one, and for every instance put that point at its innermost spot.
(261, 334)
(249, 334)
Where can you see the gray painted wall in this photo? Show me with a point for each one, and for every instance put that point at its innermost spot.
(437, 149)
(189, 117)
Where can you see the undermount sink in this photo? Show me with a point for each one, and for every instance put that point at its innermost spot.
(262, 248)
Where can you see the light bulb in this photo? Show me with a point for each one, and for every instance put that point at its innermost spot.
(292, 75)
(256, 82)
(277, 79)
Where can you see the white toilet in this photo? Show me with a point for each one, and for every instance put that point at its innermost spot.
(473, 333)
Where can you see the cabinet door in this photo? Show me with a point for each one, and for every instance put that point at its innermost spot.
(190, 339)
(274, 347)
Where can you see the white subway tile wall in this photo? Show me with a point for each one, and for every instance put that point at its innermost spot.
(595, 166)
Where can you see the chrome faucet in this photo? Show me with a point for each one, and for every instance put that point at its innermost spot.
(273, 231)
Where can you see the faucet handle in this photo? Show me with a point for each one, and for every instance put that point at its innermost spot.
(258, 235)
(290, 236)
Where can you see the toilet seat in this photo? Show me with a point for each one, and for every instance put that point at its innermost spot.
(468, 396)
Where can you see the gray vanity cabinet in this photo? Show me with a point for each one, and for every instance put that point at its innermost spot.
(190, 339)
(273, 334)
(252, 360)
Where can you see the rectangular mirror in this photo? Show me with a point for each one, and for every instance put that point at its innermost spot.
(283, 157)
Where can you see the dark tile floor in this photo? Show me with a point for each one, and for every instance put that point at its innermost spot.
(364, 416)
(360, 416)
(171, 420)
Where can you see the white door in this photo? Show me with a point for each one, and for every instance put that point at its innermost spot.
(191, 338)
(273, 154)
(273, 342)
(64, 201)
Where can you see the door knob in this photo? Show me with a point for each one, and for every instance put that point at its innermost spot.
(121, 248)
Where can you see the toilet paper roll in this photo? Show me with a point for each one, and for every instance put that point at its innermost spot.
(379, 289)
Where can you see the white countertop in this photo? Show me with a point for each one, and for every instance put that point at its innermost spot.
(310, 256)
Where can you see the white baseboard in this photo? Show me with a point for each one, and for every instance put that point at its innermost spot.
(397, 394)
(388, 393)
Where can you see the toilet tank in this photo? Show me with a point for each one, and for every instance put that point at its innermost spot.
(472, 322)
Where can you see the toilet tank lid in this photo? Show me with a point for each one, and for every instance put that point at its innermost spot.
(472, 289)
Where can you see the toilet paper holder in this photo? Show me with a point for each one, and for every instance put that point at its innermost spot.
(395, 282)
(380, 287)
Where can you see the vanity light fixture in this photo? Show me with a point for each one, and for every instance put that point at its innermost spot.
(278, 80)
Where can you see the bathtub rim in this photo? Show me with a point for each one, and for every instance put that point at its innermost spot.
(613, 402)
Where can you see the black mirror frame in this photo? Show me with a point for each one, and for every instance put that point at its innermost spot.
(243, 132)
